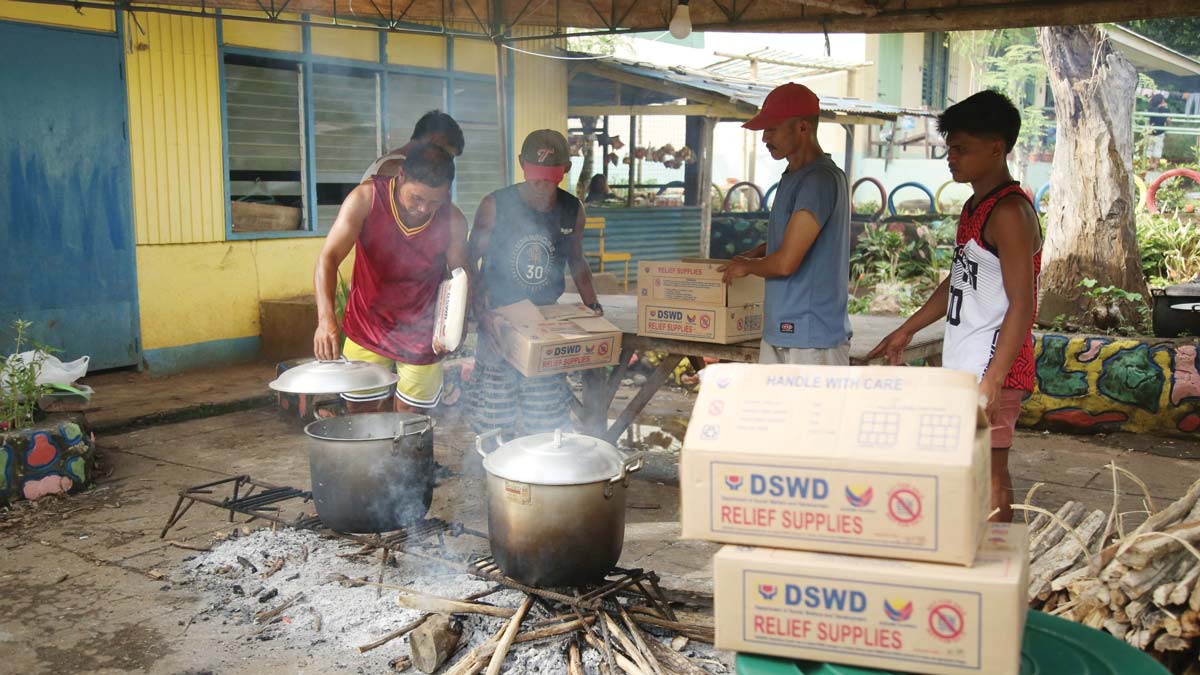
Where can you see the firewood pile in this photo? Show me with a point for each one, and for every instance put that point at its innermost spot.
(627, 638)
(1139, 585)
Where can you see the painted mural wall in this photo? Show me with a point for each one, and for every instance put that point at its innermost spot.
(1101, 384)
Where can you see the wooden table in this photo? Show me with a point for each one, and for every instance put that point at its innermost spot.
(600, 386)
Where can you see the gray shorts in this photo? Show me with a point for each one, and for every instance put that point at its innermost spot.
(835, 356)
(499, 397)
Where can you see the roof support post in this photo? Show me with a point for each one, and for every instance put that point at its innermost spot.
(704, 193)
(848, 163)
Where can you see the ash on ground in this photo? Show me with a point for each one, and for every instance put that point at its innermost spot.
(327, 620)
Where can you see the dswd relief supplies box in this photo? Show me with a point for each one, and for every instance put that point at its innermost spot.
(695, 280)
(700, 323)
(879, 461)
(872, 612)
(555, 338)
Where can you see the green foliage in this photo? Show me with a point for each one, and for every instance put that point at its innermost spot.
(600, 45)
(885, 263)
(1114, 296)
(1010, 61)
(1170, 248)
(1181, 34)
(867, 207)
(19, 389)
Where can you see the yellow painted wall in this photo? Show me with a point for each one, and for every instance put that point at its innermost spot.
(277, 37)
(175, 131)
(346, 43)
(52, 15)
(199, 292)
(539, 94)
(474, 56)
(423, 51)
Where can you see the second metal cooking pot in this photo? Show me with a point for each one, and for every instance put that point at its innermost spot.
(556, 507)
(371, 472)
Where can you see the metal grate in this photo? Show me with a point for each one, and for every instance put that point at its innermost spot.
(265, 501)
(638, 585)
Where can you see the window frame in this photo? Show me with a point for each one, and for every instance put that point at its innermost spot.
(306, 60)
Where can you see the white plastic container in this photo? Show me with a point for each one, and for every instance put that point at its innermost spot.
(451, 312)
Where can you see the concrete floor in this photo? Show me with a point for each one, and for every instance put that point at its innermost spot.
(77, 575)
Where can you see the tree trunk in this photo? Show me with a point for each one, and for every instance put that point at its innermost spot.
(1090, 225)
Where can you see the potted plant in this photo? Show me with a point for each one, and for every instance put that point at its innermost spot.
(39, 455)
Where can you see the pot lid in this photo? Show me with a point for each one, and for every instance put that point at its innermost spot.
(333, 377)
(556, 459)
(1189, 289)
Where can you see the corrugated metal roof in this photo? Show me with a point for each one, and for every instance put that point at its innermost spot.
(736, 91)
(777, 65)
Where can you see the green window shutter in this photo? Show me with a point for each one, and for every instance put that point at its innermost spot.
(890, 68)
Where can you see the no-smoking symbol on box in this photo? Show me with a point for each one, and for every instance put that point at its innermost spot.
(946, 621)
(904, 506)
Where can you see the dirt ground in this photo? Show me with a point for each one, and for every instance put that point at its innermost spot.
(88, 585)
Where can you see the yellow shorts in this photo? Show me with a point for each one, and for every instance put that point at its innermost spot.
(418, 386)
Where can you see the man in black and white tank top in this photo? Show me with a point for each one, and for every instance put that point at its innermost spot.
(526, 236)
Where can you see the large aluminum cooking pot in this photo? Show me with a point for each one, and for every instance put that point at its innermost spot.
(556, 507)
(371, 472)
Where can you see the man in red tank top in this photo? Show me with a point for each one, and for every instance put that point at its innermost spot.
(406, 235)
(990, 298)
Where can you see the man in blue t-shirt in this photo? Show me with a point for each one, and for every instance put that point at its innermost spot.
(806, 258)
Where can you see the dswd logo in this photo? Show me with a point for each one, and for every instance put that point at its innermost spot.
(859, 496)
(768, 591)
(734, 482)
(898, 610)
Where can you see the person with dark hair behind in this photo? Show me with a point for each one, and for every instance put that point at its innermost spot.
(990, 298)
(434, 127)
(598, 191)
(1154, 141)
(406, 235)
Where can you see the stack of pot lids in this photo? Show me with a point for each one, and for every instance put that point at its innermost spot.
(333, 377)
(555, 459)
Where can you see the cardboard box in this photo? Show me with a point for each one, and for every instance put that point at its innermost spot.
(556, 338)
(696, 280)
(699, 323)
(889, 614)
(879, 461)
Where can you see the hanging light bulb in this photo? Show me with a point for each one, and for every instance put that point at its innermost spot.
(681, 23)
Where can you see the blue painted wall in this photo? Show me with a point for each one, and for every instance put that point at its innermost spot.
(66, 229)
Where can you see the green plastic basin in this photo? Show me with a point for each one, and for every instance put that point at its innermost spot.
(1052, 646)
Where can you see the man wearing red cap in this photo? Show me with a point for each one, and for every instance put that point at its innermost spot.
(806, 258)
(525, 235)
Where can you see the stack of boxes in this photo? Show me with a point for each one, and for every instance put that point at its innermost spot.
(855, 500)
(686, 300)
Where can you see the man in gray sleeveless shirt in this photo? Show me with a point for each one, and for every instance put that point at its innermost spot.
(524, 238)
(806, 258)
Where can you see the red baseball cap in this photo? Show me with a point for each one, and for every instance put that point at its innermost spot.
(545, 155)
(785, 102)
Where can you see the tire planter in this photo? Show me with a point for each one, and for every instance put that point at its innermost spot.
(1151, 202)
(734, 188)
(766, 202)
(882, 196)
(891, 198)
(1037, 199)
(54, 456)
